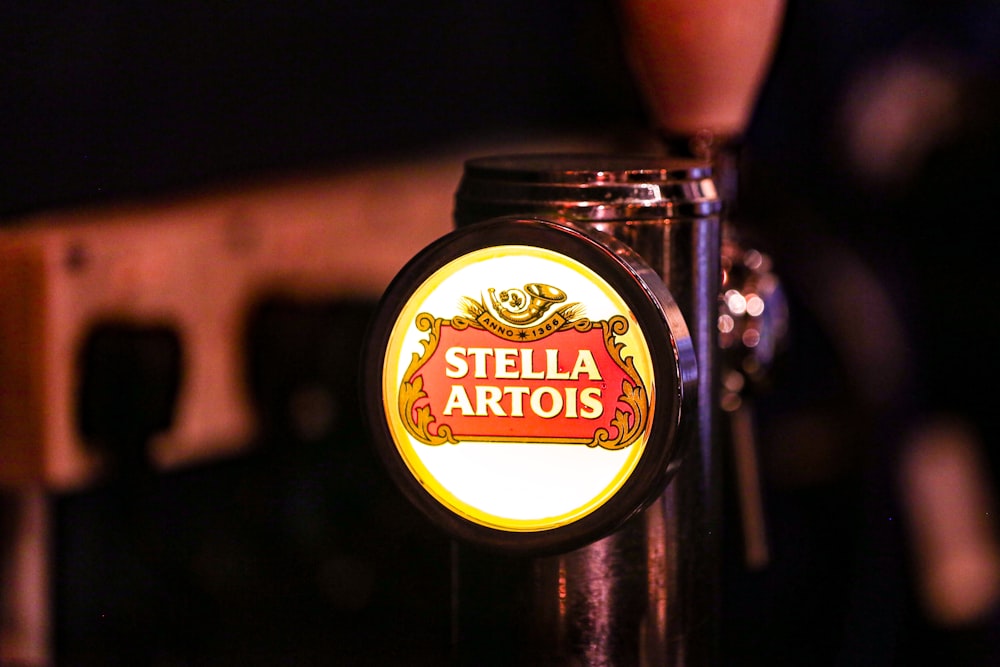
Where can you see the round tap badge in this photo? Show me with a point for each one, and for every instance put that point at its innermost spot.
(526, 382)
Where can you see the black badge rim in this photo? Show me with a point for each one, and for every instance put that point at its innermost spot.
(666, 338)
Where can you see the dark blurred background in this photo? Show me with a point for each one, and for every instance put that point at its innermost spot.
(867, 173)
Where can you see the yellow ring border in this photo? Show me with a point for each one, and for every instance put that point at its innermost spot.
(404, 442)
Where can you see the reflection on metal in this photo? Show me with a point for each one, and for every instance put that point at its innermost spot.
(611, 603)
(753, 312)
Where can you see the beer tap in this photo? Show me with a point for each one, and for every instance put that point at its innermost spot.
(626, 570)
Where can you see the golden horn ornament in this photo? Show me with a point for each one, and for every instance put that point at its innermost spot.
(542, 298)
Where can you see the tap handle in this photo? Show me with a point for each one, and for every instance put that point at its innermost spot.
(700, 65)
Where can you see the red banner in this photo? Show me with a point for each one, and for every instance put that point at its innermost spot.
(565, 387)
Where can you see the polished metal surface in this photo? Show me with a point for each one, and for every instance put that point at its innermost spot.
(585, 188)
(647, 594)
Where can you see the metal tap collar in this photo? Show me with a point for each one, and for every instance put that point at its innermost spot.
(586, 187)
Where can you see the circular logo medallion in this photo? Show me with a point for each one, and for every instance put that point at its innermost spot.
(525, 383)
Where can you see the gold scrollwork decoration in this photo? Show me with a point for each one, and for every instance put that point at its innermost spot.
(417, 421)
(629, 425)
(633, 393)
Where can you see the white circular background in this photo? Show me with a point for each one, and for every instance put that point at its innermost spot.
(521, 482)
